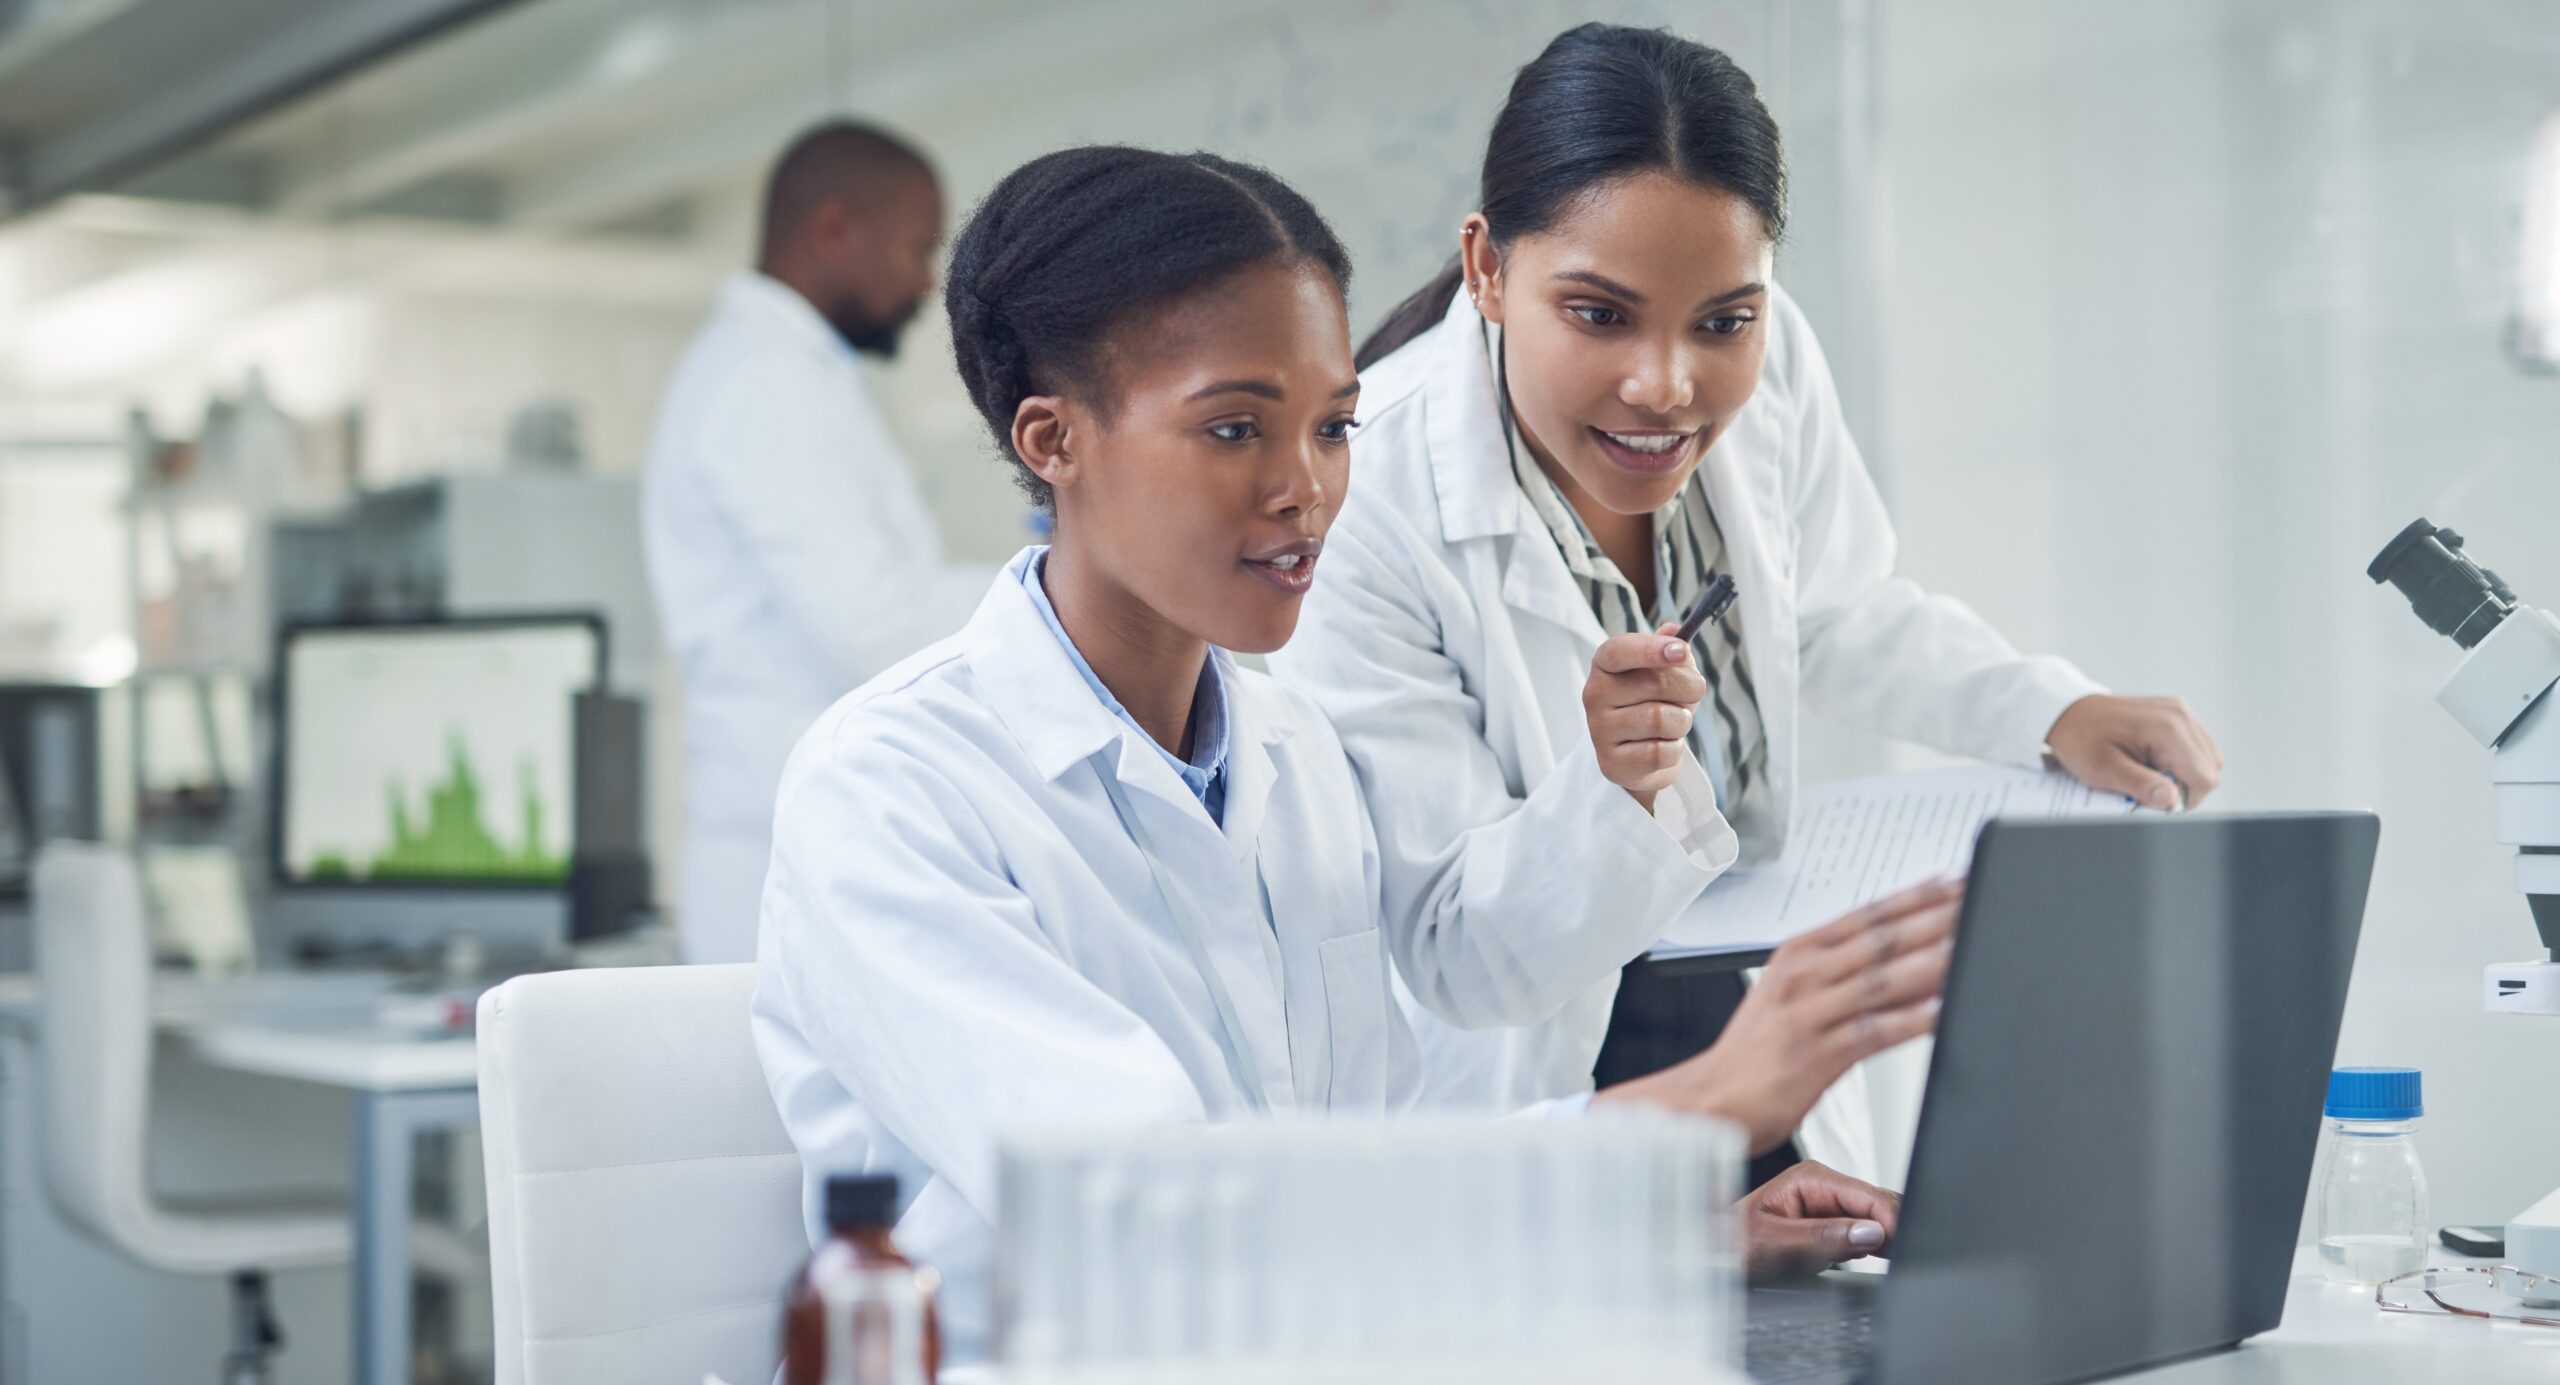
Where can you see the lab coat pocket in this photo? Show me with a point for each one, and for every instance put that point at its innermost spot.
(1355, 1003)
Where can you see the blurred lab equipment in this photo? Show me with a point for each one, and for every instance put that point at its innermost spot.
(51, 789)
(199, 908)
(14, 847)
(644, 1199)
(447, 780)
(2373, 1196)
(1419, 1249)
(2533, 335)
(544, 435)
(860, 1312)
(2501, 694)
(479, 544)
(49, 768)
(200, 512)
(94, 970)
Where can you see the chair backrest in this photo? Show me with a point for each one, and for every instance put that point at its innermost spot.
(93, 975)
(644, 1200)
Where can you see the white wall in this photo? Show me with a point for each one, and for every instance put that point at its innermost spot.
(1375, 109)
(2187, 307)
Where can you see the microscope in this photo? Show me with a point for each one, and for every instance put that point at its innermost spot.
(2501, 692)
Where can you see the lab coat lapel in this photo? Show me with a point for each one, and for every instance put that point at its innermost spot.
(1478, 497)
(1301, 905)
(1536, 582)
(1214, 879)
(1264, 868)
(1743, 488)
(1251, 771)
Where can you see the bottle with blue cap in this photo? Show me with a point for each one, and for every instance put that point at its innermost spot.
(2373, 1199)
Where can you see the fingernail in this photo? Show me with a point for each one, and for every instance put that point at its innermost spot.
(1675, 650)
(2165, 799)
(1866, 1235)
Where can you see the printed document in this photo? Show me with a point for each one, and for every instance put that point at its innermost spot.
(1858, 840)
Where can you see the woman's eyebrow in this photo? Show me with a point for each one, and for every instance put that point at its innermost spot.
(1262, 389)
(1601, 282)
(1615, 289)
(1732, 295)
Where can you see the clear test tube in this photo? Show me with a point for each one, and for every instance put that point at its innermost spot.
(1451, 1185)
(1035, 1283)
(1231, 1260)
(1101, 1311)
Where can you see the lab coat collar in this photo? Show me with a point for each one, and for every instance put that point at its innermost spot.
(1463, 419)
(1479, 497)
(759, 297)
(1043, 702)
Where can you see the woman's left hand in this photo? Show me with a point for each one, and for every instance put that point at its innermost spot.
(1812, 1217)
(2151, 749)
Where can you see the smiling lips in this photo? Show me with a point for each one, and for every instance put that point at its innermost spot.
(1291, 568)
(1646, 453)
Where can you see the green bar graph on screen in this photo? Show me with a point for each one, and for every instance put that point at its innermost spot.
(451, 841)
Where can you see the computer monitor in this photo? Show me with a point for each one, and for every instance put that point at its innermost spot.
(50, 779)
(428, 776)
(13, 838)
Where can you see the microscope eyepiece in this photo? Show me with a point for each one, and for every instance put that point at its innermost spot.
(2455, 596)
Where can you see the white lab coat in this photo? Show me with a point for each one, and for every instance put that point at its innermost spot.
(1449, 645)
(792, 558)
(960, 937)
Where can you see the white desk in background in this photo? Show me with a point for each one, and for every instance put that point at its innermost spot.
(327, 1028)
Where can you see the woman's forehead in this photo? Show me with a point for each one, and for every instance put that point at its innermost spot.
(1285, 323)
(1665, 237)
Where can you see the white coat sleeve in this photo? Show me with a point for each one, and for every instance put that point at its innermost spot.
(1497, 907)
(916, 970)
(1877, 650)
(826, 507)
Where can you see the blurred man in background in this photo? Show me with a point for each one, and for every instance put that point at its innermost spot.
(790, 551)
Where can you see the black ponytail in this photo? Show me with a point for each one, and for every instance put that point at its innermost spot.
(1601, 102)
(1073, 244)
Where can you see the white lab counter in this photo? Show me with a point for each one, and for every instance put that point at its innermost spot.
(2334, 1333)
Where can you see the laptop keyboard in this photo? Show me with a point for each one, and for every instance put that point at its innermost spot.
(1825, 1348)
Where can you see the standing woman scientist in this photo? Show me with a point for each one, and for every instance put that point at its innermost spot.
(1604, 403)
(1075, 865)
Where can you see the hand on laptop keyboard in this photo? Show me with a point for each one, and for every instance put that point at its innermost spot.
(1812, 1217)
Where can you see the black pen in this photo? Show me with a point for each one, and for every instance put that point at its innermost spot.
(1712, 604)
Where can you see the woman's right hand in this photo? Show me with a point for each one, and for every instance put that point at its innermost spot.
(1642, 694)
(1828, 1000)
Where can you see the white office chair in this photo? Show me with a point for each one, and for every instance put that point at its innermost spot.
(93, 971)
(644, 1202)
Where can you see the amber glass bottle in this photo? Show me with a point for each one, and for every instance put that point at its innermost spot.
(860, 1210)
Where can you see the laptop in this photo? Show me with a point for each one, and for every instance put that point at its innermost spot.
(2121, 1112)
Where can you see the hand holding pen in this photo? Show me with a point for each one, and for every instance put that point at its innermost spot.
(1643, 694)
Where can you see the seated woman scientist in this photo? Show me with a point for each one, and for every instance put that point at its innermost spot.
(1074, 865)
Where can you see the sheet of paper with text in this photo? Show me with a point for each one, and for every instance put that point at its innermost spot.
(1857, 840)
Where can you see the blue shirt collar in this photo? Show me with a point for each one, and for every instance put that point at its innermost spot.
(1205, 772)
